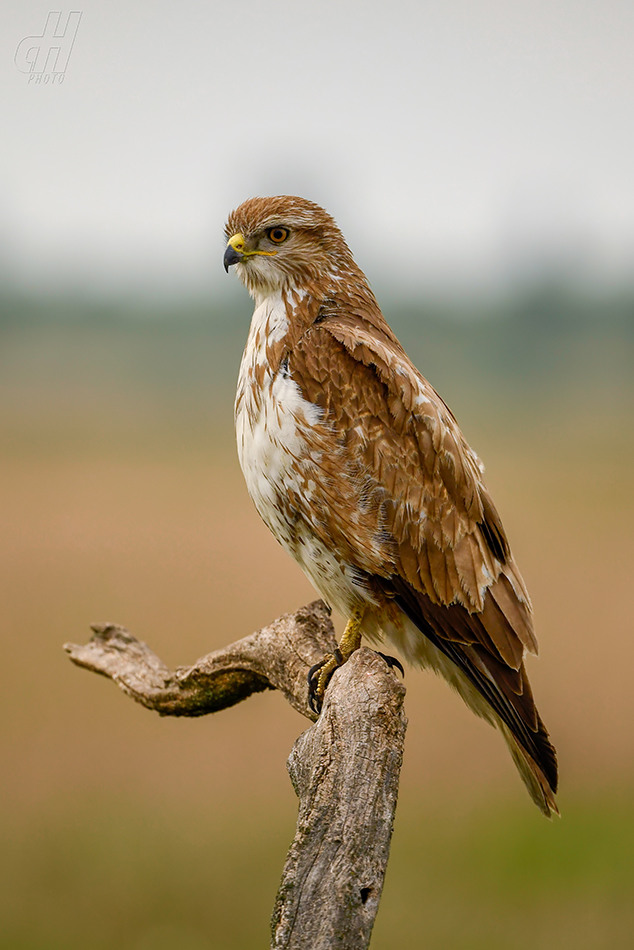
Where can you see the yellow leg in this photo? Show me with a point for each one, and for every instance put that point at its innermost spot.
(319, 676)
(351, 639)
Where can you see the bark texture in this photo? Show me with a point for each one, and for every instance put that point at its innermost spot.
(276, 657)
(345, 768)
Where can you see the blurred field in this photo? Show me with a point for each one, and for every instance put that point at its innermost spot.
(123, 500)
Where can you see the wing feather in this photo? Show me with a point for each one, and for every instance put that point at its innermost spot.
(445, 559)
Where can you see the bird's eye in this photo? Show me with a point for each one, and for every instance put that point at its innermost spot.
(278, 235)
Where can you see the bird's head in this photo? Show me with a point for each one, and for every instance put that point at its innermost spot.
(283, 242)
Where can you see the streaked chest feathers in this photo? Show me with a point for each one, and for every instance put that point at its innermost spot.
(288, 455)
(272, 419)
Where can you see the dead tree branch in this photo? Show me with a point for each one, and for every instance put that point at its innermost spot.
(276, 657)
(345, 768)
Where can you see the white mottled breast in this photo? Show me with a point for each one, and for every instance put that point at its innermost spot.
(272, 421)
(271, 417)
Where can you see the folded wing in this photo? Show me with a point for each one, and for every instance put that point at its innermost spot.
(446, 561)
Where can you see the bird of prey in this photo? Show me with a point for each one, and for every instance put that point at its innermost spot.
(361, 472)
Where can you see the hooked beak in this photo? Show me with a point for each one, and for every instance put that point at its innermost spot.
(231, 257)
(235, 251)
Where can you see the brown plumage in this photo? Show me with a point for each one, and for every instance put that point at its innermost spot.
(361, 472)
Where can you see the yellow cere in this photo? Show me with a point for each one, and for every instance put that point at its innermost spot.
(238, 243)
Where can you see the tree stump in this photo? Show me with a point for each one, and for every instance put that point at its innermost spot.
(345, 768)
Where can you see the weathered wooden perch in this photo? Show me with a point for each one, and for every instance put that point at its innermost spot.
(345, 768)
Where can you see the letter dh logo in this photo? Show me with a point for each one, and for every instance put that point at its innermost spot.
(45, 56)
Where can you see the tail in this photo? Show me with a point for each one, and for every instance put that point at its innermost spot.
(538, 786)
(507, 703)
(493, 689)
(530, 747)
(528, 742)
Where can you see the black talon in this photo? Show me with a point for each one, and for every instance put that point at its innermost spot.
(392, 662)
(313, 699)
(313, 670)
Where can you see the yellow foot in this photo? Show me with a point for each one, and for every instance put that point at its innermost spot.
(319, 675)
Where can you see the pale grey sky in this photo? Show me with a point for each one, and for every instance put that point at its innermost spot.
(447, 138)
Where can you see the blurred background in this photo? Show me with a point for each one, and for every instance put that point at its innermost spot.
(478, 157)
